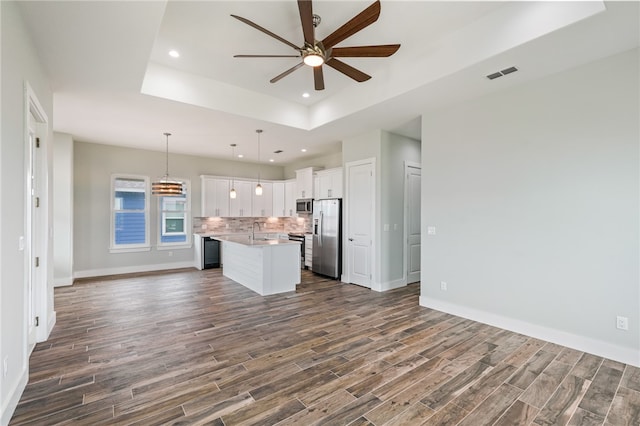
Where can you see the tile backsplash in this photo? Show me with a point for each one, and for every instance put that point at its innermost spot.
(242, 225)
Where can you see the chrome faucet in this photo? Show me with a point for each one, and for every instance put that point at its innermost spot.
(253, 232)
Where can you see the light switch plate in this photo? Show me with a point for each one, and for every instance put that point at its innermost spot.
(431, 230)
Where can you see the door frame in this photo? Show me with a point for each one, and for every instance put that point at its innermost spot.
(36, 124)
(346, 277)
(405, 255)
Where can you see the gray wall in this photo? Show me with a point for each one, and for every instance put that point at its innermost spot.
(93, 166)
(395, 151)
(324, 162)
(535, 195)
(62, 209)
(19, 65)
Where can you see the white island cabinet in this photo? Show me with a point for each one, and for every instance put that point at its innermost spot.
(264, 266)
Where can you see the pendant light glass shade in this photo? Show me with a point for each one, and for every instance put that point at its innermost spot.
(232, 193)
(258, 186)
(166, 187)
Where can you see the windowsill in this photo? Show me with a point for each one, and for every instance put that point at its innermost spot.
(129, 249)
(169, 246)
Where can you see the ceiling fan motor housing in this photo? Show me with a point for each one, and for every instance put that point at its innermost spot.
(316, 53)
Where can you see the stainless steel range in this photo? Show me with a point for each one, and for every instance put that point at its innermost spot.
(300, 238)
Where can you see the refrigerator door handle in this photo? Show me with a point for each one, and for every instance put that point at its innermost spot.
(320, 231)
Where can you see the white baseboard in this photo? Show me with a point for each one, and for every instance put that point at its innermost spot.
(585, 344)
(389, 285)
(88, 273)
(13, 397)
(52, 323)
(63, 282)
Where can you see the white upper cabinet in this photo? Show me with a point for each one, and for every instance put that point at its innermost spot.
(278, 199)
(328, 183)
(262, 205)
(290, 198)
(304, 182)
(215, 197)
(241, 205)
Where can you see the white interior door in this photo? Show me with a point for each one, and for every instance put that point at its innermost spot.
(34, 252)
(412, 215)
(38, 294)
(360, 220)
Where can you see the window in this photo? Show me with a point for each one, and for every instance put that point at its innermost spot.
(174, 230)
(129, 213)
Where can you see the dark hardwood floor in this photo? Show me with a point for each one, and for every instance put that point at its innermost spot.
(192, 347)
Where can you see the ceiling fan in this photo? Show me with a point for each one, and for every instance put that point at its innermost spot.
(316, 53)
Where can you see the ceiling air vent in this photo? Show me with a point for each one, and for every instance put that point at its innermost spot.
(505, 71)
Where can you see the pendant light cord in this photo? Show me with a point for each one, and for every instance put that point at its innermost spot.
(167, 156)
(258, 131)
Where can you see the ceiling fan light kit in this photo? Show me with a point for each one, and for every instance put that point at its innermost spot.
(316, 53)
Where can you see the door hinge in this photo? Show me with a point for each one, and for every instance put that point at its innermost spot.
(37, 262)
(37, 142)
(37, 201)
(37, 321)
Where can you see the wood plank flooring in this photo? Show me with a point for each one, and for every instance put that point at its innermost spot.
(193, 347)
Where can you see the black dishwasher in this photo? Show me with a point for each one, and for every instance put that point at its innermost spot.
(210, 253)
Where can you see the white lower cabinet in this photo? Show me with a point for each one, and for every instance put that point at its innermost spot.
(308, 250)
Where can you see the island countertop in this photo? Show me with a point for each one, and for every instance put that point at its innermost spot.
(246, 240)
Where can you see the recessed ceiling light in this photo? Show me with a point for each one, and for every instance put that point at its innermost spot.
(304, 150)
(174, 53)
(271, 160)
(240, 155)
(305, 95)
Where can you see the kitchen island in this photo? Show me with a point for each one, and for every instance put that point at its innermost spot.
(263, 265)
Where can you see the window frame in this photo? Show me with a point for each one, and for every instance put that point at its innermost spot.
(187, 220)
(129, 248)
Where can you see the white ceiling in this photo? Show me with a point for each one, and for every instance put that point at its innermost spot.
(114, 82)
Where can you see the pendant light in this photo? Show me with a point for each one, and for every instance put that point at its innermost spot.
(232, 193)
(258, 186)
(166, 187)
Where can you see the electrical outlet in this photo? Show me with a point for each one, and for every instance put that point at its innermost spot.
(203, 226)
(443, 286)
(170, 253)
(622, 323)
(5, 366)
(431, 230)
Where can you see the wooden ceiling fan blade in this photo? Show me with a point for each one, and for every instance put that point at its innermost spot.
(318, 78)
(286, 73)
(266, 56)
(266, 31)
(348, 70)
(358, 22)
(306, 18)
(378, 51)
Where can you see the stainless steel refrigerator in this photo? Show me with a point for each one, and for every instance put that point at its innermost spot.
(327, 237)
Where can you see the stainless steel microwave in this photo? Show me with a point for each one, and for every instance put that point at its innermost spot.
(304, 205)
